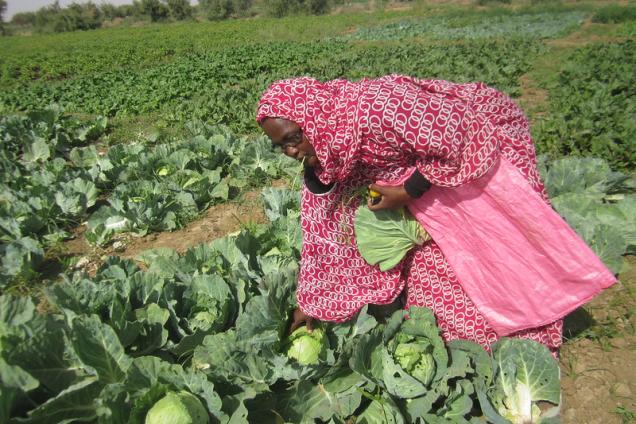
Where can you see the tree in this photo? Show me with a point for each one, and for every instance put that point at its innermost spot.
(155, 9)
(23, 18)
(3, 8)
(217, 9)
(180, 9)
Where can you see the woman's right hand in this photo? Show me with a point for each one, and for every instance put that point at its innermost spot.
(299, 319)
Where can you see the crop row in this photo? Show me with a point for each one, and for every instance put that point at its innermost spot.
(70, 55)
(474, 27)
(592, 106)
(53, 179)
(223, 87)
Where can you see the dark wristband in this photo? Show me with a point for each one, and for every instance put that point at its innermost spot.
(313, 183)
(416, 185)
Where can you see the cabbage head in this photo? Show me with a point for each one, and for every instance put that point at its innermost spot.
(415, 357)
(307, 348)
(178, 408)
(208, 304)
(525, 373)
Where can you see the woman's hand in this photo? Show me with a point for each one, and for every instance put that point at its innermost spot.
(392, 197)
(299, 319)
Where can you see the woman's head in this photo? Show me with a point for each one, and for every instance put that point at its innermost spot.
(311, 119)
(290, 138)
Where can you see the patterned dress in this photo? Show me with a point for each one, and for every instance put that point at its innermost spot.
(382, 130)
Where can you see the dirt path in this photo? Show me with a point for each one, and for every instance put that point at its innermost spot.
(599, 363)
(217, 221)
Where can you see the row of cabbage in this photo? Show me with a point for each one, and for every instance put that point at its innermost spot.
(485, 25)
(202, 338)
(207, 331)
(53, 179)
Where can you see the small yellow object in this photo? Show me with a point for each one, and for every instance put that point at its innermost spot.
(374, 194)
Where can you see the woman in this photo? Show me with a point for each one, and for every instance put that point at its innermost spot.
(409, 134)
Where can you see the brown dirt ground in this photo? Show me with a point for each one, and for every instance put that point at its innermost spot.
(599, 367)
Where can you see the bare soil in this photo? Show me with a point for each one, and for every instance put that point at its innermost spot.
(217, 221)
(598, 364)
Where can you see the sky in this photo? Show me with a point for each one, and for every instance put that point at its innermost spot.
(15, 6)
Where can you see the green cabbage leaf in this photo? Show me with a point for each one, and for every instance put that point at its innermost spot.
(384, 237)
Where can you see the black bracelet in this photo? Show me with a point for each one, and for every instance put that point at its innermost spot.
(416, 185)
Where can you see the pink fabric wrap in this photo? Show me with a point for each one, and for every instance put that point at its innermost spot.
(517, 259)
(435, 125)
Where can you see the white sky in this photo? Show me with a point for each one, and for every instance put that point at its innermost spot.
(15, 6)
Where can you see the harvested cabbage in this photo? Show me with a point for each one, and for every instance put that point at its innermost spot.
(384, 237)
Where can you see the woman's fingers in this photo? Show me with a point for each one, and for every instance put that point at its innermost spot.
(392, 197)
(299, 319)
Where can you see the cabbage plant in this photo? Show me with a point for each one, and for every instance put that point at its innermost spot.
(525, 373)
(407, 356)
(177, 408)
(307, 348)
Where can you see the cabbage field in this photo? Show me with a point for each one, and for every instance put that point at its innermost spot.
(118, 138)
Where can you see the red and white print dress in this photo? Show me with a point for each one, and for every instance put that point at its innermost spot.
(383, 129)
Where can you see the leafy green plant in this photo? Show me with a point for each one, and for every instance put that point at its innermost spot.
(177, 408)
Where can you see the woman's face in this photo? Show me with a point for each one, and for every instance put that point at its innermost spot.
(289, 137)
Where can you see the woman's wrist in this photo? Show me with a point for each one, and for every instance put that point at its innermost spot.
(416, 185)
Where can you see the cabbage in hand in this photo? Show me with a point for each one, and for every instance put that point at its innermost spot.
(307, 348)
(178, 408)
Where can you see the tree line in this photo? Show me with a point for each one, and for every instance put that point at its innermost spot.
(85, 16)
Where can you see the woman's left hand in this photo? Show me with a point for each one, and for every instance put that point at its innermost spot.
(392, 197)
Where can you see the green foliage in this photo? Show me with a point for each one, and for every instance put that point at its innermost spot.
(180, 9)
(615, 14)
(280, 8)
(489, 2)
(218, 9)
(598, 203)
(41, 193)
(54, 18)
(223, 86)
(23, 18)
(524, 374)
(155, 9)
(307, 348)
(177, 408)
(478, 26)
(592, 104)
(110, 348)
(52, 179)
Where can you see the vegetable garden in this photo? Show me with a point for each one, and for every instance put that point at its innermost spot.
(120, 144)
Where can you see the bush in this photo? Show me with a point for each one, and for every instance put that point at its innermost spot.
(180, 9)
(486, 2)
(280, 8)
(217, 9)
(155, 9)
(615, 14)
(23, 18)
